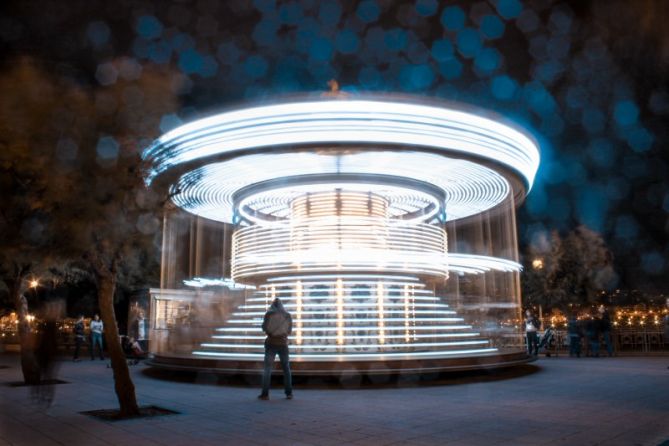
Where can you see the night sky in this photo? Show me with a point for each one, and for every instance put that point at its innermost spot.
(590, 80)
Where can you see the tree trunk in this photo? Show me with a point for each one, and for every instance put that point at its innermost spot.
(29, 364)
(123, 385)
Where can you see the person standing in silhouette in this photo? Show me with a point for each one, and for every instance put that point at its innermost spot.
(605, 327)
(277, 325)
(47, 351)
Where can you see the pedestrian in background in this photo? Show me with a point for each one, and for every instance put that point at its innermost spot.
(592, 329)
(532, 326)
(97, 327)
(574, 335)
(79, 337)
(605, 328)
(47, 350)
(139, 330)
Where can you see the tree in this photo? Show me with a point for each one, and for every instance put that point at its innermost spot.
(101, 211)
(570, 270)
(26, 236)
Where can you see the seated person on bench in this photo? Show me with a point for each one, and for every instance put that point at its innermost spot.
(132, 349)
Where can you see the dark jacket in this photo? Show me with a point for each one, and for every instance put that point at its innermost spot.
(277, 316)
(574, 328)
(79, 329)
(605, 322)
(592, 327)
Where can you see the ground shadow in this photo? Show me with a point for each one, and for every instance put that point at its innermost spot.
(44, 382)
(114, 414)
(349, 381)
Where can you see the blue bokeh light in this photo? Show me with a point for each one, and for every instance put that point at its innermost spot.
(503, 87)
(107, 148)
(451, 68)
(442, 50)
(149, 27)
(321, 49)
(488, 60)
(182, 42)
(538, 98)
(626, 113)
(368, 11)
(347, 41)
(549, 71)
(509, 9)
(418, 53)
(469, 42)
(639, 139)
(169, 122)
(98, 33)
(191, 61)
(591, 207)
(453, 18)
(416, 77)
(159, 52)
(427, 8)
(492, 27)
(396, 39)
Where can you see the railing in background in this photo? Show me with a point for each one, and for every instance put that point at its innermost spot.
(623, 340)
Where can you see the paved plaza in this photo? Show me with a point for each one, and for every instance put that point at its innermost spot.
(608, 401)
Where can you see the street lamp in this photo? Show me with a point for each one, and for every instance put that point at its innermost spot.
(538, 263)
(34, 283)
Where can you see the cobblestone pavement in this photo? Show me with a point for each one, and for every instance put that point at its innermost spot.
(608, 401)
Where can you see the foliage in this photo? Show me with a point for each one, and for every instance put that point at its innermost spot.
(70, 157)
(570, 270)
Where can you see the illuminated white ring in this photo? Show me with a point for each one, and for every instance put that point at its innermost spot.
(402, 247)
(324, 122)
(468, 188)
(408, 203)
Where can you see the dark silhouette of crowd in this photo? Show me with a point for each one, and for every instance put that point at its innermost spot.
(585, 335)
(590, 332)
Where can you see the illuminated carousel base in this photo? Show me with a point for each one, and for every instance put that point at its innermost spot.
(356, 324)
(346, 368)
